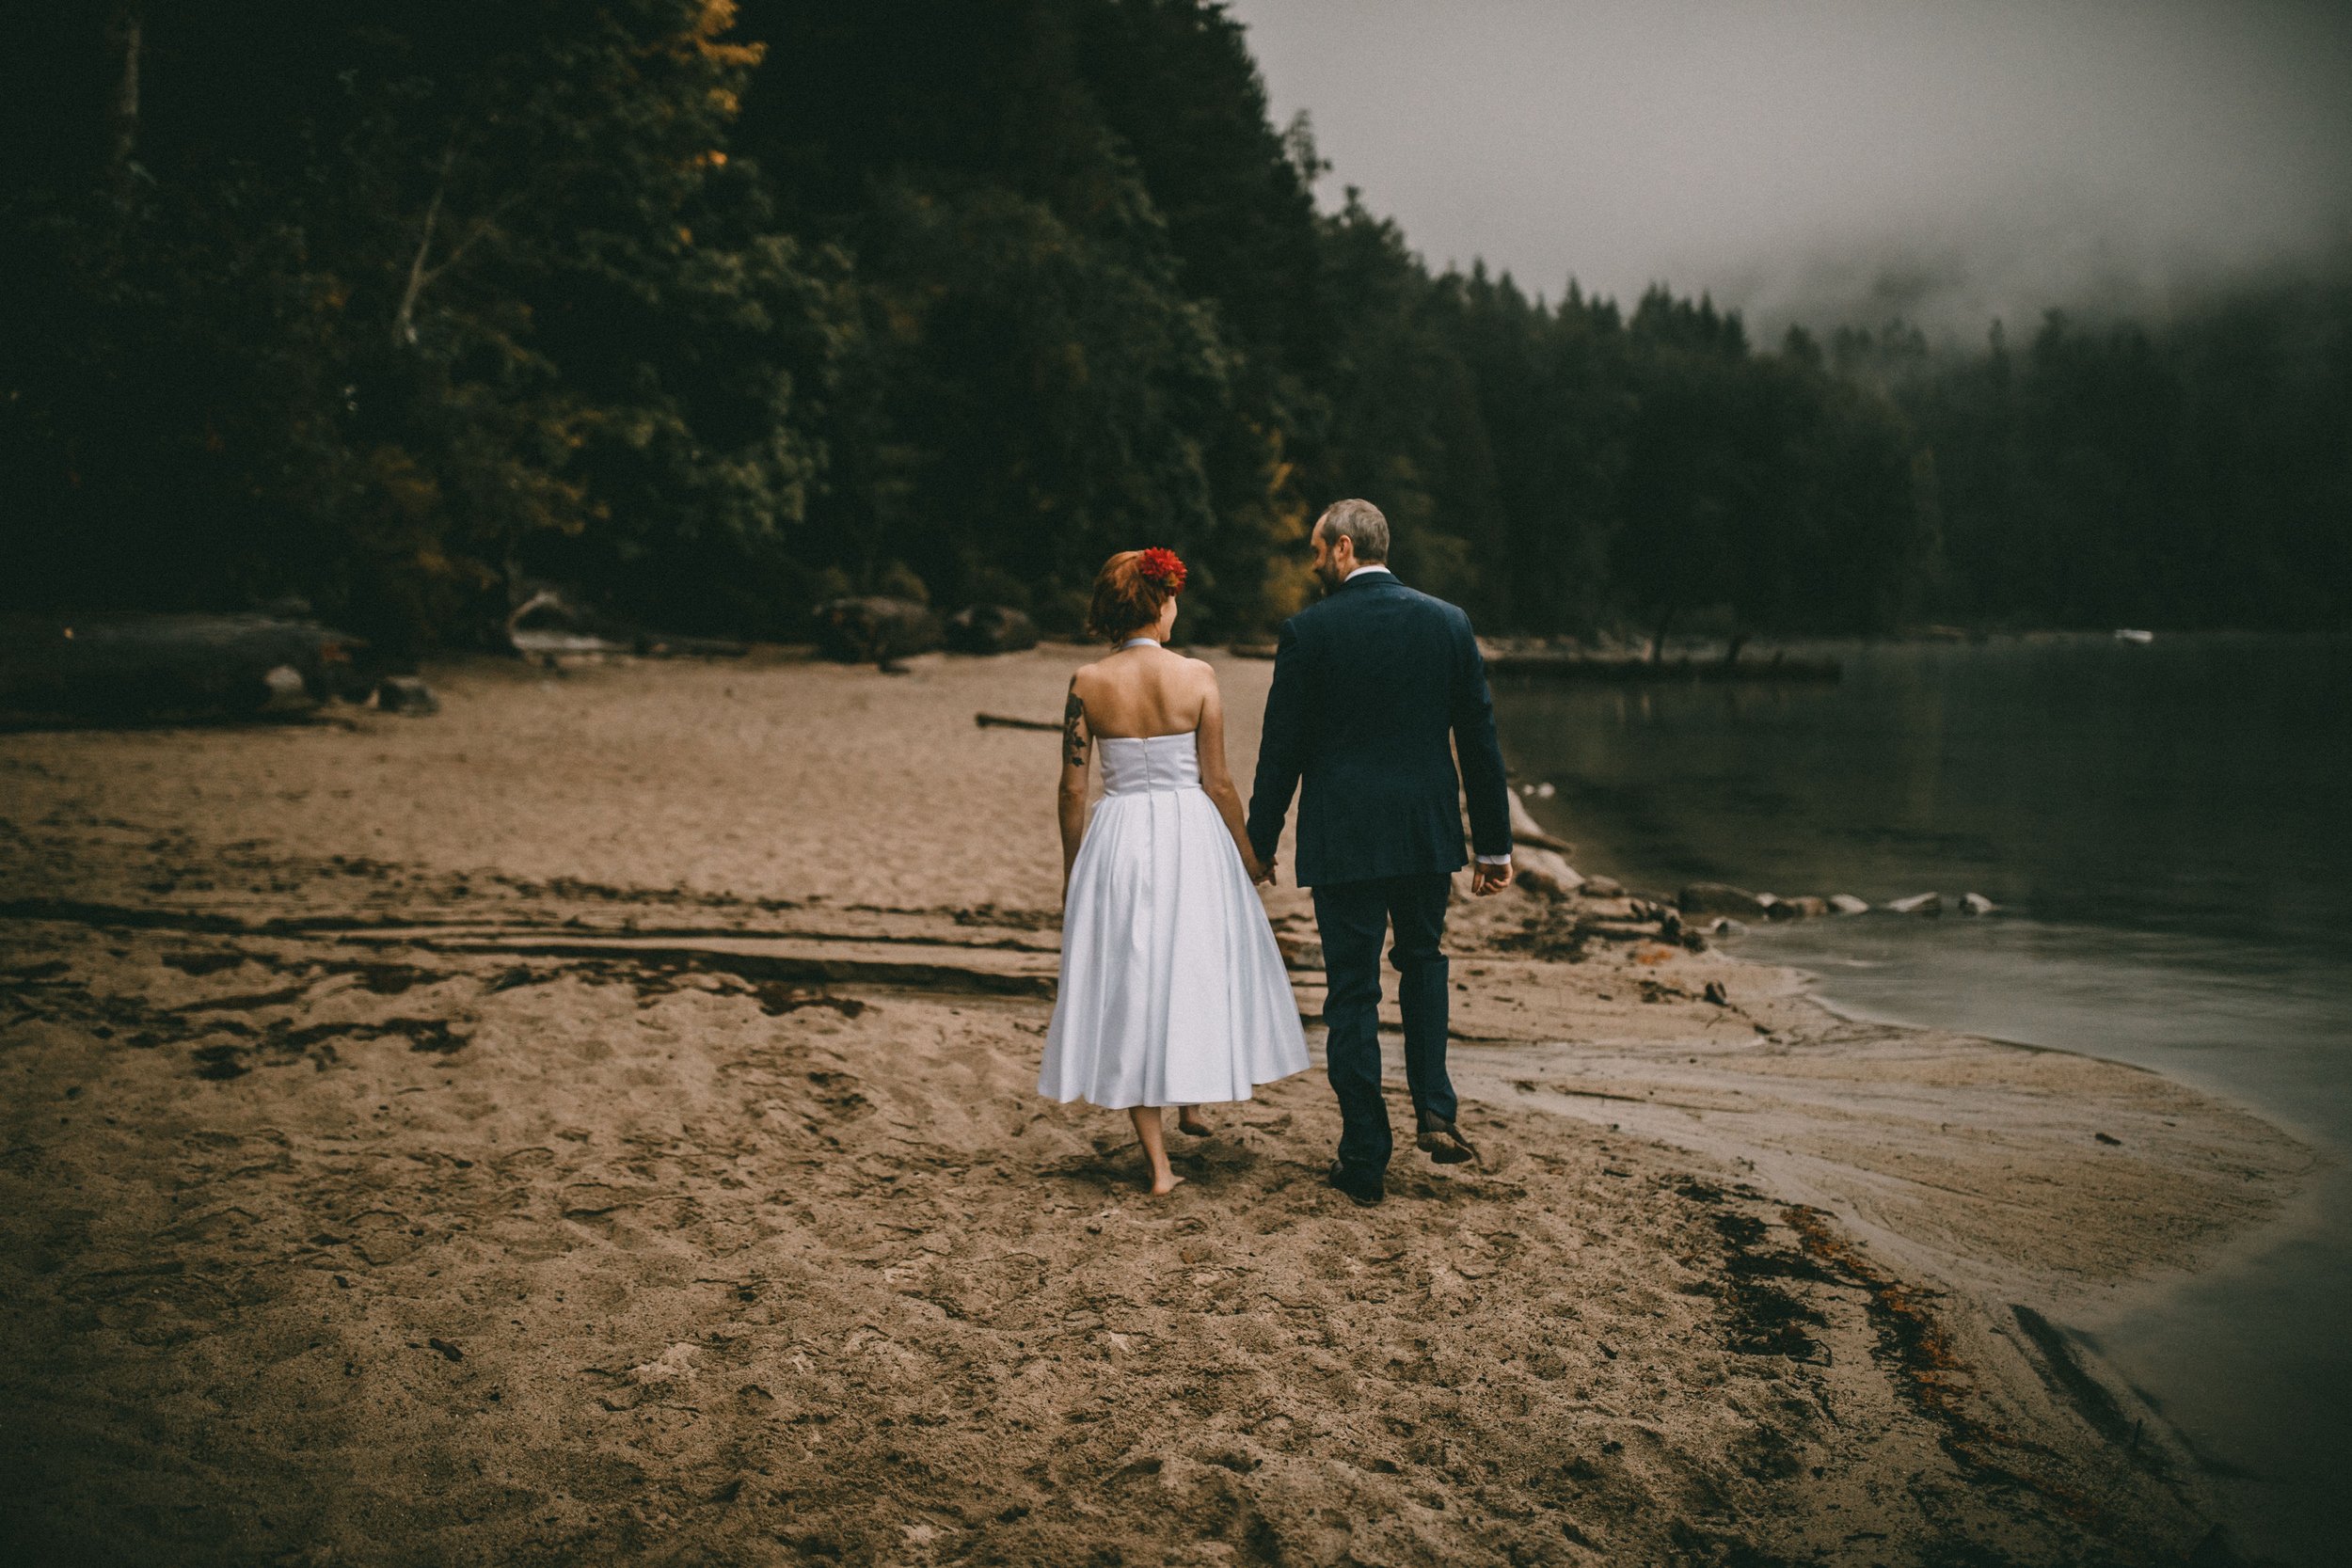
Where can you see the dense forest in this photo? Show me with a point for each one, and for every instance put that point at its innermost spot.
(715, 311)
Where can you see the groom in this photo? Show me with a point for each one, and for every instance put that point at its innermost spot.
(1368, 685)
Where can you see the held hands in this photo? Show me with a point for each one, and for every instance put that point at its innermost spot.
(1486, 880)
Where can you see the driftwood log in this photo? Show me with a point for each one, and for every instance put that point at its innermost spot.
(1531, 664)
(552, 623)
(1525, 830)
(1543, 871)
(129, 669)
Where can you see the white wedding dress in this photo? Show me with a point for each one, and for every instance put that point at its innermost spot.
(1172, 990)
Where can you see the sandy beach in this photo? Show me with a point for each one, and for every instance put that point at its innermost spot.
(596, 1123)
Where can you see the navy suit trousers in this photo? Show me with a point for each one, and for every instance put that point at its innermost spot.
(1353, 917)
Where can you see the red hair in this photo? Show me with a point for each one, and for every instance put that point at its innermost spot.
(1131, 589)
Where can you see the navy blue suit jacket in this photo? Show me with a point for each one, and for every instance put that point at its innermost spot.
(1369, 684)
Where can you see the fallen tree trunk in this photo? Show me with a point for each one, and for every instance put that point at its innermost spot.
(1525, 830)
(1513, 665)
(118, 668)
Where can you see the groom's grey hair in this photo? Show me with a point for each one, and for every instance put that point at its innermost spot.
(1359, 520)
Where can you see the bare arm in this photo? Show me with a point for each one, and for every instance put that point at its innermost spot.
(1217, 779)
(1070, 800)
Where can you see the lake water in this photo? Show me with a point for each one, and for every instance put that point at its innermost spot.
(2166, 830)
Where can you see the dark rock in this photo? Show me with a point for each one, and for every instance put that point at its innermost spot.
(1803, 908)
(990, 628)
(1603, 887)
(405, 694)
(1714, 899)
(1716, 993)
(877, 629)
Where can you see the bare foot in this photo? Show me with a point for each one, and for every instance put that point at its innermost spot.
(1163, 1186)
(1190, 1122)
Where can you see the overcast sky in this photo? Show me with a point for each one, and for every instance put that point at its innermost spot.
(1821, 158)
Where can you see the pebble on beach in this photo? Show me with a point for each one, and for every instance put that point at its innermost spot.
(1805, 906)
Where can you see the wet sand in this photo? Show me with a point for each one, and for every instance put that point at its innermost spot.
(597, 1124)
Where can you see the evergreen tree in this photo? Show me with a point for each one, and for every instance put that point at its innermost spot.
(716, 316)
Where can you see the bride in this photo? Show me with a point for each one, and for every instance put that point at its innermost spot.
(1172, 990)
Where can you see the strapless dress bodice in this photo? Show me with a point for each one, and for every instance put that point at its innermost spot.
(1138, 765)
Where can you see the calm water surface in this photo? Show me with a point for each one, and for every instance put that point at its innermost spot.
(2166, 829)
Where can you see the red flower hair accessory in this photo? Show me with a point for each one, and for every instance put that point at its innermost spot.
(1162, 567)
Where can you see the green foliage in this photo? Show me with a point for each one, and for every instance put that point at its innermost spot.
(389, 303)
(718, 315)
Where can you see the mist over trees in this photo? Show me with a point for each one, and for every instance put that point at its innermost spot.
(717, 311)
(2195, 474)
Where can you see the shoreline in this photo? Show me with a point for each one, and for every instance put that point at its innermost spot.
(836, 1262)
(2235, 1353)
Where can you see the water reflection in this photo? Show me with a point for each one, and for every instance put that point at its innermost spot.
(2194, 784)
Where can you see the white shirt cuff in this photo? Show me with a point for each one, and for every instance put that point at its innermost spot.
(1494, 860)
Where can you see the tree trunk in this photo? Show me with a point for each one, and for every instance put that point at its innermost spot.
(138, 668)
(123, 31)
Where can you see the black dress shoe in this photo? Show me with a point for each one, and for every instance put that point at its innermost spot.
(1364, 1186)
(1444, 1145)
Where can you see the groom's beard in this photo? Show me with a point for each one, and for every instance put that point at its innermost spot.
(1328, 576)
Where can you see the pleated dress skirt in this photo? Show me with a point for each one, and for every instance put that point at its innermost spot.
(1173, 989)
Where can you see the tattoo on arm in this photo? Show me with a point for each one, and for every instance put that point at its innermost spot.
(1074, 740)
